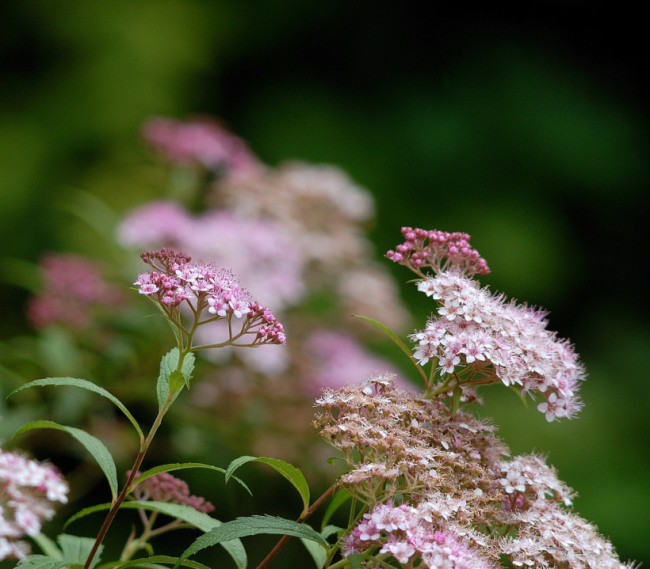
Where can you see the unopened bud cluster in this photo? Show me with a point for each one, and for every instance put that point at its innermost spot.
(164, 487)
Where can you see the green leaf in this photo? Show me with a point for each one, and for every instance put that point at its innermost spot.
(150, 561)
(398, 342)
(87, 511)
(316, 551)
(179, 466)
(92, 444)
(355, 561)
(189, 515)
(76, 549)
(290, 472)
(318, 554)
(83, 384)
(47, 546)
(254, 525)
(45, 562)
(95, 212)
(170, 379)
(335, 503)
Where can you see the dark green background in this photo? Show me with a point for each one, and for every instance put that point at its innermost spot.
(527, 129)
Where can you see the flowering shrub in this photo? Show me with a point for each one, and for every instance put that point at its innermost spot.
(425, 482)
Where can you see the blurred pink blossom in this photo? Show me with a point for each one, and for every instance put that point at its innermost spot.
(200, 141)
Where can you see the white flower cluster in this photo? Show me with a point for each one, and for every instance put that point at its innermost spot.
(28, 492)
(488, 339)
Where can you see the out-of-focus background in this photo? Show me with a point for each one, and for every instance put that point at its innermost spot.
(527, 130)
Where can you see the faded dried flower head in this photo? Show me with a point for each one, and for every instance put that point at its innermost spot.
(396, 442)
(429, 477)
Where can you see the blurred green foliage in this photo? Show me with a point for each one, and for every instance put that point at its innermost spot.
(520, 132)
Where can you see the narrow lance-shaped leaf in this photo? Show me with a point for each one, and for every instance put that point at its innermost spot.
(187, 514)
(290, 472)
(45, 562)
(180, 466)
(83, 384)
(254, 525)
(154, 561)
(92, 444)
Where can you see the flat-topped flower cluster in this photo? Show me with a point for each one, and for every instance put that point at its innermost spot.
(443, 492)
(210, 294)
(479, 338)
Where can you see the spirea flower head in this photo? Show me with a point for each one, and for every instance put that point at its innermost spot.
(437, 250)
(259, 251)
(388, 435)
(405, 534)
(210, 294)
(441, 488)
(482, 338)
(29, 491)
(73, 291)
(319, 206)
(164, 487)
(200, 141)
(478, 338)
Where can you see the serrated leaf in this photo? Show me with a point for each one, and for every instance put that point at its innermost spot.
(180, 466)
(92, 444)
(254, 525)
(75, 549)
(151, 562)
(397, 341)
(197, 519)
(45, 562)
(290, 472)
(83, 384)
(335, 503)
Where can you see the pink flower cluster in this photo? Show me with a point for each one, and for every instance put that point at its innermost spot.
(406, 534)
(258, 250)
(437, 250)
(201, 141)
(463, 502)
(73, 291)
(530, 482)
(164, 487)
(176, 280)
(484, 339)
(28, 492)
